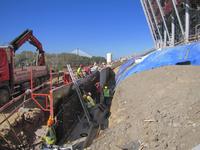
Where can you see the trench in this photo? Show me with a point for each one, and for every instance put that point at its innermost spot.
(72, 128)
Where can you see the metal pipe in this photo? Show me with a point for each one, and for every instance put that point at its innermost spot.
(51, 95)
(18, 98)
(51, 78)
(163, 18)
(38, 104)
(178, 17)
(187, 21)
(15, 110)
(172, 31)
(165, 38)
(40, 94)
(31, 81)
(154, 17)
(149, 22)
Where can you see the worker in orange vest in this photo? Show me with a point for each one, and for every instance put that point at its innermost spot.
(50, 137)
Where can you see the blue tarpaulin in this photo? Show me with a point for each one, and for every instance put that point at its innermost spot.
(165, 57)
(123, 68)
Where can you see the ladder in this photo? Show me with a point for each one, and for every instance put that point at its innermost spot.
(74, 80)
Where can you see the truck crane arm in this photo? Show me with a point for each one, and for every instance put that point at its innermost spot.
(27, 35)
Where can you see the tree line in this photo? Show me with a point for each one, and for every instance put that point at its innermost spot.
(57, 61)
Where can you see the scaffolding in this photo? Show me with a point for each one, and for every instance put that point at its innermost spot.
(172, 22)
(49, 96)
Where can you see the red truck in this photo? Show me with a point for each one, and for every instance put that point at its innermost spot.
(10, 77)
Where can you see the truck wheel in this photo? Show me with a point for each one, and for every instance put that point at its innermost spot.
(4, 96)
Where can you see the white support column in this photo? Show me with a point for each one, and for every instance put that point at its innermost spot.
(165, 38)
(156, 22)
(172, 31)
(178, 17)
(163, 18)
(150, 24)
(187, 21)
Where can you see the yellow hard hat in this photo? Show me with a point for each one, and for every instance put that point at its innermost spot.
(105, 87)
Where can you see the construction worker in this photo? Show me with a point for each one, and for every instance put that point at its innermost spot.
(89, 100)
(103, 65)
(106, 94)
(98, 92)
(85, 99)
(50, 137)
(90, 104)
(79, 71)
(87, 70)
(95, 67)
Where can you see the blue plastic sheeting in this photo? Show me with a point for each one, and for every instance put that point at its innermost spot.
(120, 76)
(166, 57)
(124, 67)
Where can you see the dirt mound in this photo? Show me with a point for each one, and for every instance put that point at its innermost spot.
(157, 109)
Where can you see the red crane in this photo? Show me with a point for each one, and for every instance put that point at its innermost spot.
(10, 76)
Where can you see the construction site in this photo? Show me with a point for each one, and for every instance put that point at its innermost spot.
(149, 101)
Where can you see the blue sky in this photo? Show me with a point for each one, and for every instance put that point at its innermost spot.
(94, 26)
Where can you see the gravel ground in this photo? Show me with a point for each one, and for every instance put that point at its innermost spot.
(156, 109)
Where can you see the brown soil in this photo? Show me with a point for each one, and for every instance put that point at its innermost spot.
(157, 109)
(20, 129)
